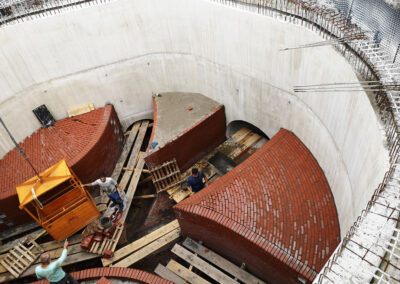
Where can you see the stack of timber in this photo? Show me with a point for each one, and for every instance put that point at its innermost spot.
(242, 142)
(166, 176)
(144, 246)
(133, 158)
(209, 263)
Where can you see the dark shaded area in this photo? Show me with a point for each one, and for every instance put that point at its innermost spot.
(236, 125)
(221, 163)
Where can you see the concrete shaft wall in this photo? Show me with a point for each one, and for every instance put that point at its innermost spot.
(123, 51)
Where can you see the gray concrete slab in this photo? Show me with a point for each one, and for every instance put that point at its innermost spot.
(174, 116)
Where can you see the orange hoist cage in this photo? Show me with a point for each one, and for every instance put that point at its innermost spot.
(57, 201)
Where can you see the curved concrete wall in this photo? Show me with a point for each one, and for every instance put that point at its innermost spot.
(123, 51)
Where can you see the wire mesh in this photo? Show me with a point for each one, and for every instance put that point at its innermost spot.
(378, 17)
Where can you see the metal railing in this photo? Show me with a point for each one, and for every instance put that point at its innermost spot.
(370, 250)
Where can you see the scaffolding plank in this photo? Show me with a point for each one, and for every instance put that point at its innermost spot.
(149, 249)
(31, 236)
(185, 273)
(202, 265)
(239, 135)
(125, 151)
(18, 230)
(105, 244)
(221, 262)
(133, 184)
(133, 158)
(165, 273)
(180, 195)
(138, 244)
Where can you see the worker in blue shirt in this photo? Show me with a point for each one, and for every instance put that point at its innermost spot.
(53, 271)
(197, 181)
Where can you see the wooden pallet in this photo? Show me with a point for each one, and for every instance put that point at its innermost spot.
(206, 261)
(20, 258)
(107, 244)
(166, 176)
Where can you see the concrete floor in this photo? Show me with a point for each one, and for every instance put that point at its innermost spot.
(174, 117)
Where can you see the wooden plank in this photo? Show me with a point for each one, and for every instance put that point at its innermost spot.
(221, 262)
(18, 230)
(149, 249)
(185, 273)
(180, 195)
(173, 190)
(138, 244)
(250, 140)
(169, 186)
(125, 151)
(165, 273)
(99, 248)
(145, 196)
(16, 263)
(165, 177)
(253, 139)
(134, 154)
(202, 265)
(32, 236)
(24, 253)
(19, 257)
(115, 240)
(94, 247)
(133, 185)
(240, 134)
(147, 179)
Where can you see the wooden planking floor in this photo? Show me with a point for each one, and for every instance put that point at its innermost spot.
(142, 242)
(211, 264)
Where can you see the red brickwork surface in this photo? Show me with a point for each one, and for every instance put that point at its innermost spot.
(275, 212)
(189, 146)
(90, 142)
(122, 273)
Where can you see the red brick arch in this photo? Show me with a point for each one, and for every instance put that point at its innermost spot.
(90, 142)
(275, 212)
